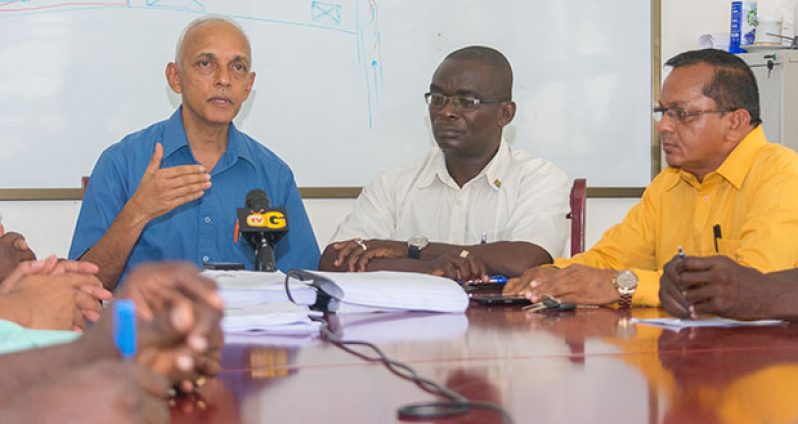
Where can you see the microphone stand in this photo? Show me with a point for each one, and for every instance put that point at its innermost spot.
(264, 256)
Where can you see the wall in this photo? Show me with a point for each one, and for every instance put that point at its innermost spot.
(347, 87)
(49, 225)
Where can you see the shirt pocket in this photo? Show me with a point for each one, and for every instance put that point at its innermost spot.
(728, 247)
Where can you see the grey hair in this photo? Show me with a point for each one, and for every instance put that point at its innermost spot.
(202, 21)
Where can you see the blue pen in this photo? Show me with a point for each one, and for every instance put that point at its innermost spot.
(125, 327)
(498, 279)
(493, 279)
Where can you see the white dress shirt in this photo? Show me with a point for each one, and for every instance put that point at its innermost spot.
(515, 198)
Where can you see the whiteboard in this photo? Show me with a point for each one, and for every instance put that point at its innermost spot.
(338, 92)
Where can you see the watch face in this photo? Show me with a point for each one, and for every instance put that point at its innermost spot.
(419, 242)
(626, 280)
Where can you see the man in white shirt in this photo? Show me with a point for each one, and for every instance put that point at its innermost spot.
(475, 206)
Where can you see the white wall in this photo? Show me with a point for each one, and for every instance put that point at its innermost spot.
(48, 225)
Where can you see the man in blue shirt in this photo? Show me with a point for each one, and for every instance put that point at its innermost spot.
(171, 191)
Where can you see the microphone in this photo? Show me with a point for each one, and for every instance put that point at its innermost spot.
(262, 227)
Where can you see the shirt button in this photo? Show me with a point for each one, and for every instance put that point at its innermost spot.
(706, 198)
(205, 259)
(207, 220)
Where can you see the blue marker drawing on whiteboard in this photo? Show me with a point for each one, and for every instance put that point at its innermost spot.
(187, 5)
(325, 13)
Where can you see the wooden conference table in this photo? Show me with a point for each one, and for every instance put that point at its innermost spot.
(590, 365)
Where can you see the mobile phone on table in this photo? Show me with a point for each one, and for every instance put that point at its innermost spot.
(498, 299)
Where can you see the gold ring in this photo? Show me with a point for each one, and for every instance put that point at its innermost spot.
(361, 243)
(464, 253)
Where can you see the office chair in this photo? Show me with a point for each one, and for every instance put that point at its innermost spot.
(578, 199)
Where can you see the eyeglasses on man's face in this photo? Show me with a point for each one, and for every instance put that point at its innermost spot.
(682, 116)
(459, 103)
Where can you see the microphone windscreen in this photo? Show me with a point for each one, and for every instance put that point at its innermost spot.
(257, 200)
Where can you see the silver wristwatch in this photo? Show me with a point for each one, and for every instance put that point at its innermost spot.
(626, 283)
(415, 245)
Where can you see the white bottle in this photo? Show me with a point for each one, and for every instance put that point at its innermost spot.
(748, 32)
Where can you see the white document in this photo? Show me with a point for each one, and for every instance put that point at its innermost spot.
(676, 324)
(397, 291)
(274, 318)
(242, 288)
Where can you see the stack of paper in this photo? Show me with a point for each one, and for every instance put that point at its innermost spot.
(242, 288)
(276, 318)
(388, 290)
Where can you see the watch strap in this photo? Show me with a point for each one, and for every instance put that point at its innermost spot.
(625, 302)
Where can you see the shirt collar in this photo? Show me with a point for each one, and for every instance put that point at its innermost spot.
(737, 165)
(174, 136)
(493, 173)
(175, 139)
(497, 168)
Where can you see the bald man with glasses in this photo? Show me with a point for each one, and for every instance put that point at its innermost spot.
(726, 191)
(475, 205)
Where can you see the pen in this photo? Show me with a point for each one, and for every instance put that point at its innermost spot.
(681, 252)
(125, 327)
(493, 279)
(716, 234)
(484, 239)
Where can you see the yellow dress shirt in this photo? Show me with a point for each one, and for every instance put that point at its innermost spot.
(752, 196)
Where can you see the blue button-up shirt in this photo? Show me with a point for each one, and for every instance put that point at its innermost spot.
(201, 231)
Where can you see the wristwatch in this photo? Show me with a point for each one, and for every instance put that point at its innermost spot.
(415, 245)
(626, 283)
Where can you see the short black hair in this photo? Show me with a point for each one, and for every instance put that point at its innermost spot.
(732, 87)
(503, 75)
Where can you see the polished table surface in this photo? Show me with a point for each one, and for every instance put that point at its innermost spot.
(589, 365)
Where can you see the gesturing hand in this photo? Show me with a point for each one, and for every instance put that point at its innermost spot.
(162, 190)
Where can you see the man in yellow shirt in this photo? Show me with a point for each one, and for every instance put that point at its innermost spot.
(726, 191)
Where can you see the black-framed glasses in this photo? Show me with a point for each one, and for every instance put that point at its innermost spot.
(459, 103)
(682, 116)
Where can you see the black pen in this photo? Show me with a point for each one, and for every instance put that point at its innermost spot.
(716, 234)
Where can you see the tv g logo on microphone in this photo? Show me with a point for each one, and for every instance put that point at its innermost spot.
(273, 220)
